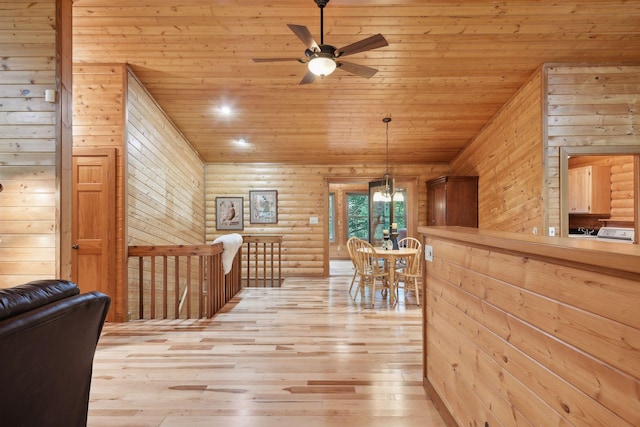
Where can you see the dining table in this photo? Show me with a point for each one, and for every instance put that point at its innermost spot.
(391, 256)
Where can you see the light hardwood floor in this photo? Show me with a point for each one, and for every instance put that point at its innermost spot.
(303, 355)
(341, 267)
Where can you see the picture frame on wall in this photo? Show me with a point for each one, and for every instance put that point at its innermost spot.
(229, 213)
(263, 207)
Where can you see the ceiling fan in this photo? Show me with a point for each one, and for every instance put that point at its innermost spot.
(322, 59)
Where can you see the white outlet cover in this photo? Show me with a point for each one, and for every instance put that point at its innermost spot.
(428, 253)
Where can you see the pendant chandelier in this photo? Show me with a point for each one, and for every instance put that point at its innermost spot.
(387, 191)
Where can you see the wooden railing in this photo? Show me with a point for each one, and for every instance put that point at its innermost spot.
(263, 255)
(184, 281)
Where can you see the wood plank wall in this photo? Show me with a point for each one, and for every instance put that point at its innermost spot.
(165, 190)
(302, 192)
(99, 122)
(587, 106)
(560, 106)
(515, 338)
(27, 142)
(507, 157)
(165, 176)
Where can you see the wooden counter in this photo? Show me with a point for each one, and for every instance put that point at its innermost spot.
(523, 329)
(594, 254)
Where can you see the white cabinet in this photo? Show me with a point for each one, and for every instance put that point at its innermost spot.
(590, 190)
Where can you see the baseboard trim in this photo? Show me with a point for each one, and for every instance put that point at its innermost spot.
(439, 404)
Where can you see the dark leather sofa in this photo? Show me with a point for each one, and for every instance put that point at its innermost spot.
(48, 337)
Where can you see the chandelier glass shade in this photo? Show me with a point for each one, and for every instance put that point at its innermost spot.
(387, 190)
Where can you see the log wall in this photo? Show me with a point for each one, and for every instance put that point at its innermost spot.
(27, 142)
(302, 193)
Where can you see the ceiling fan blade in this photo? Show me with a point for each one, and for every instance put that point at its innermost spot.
(304, 34)
(358, 70)
(369, 43)
(308, 78)
(274, 59)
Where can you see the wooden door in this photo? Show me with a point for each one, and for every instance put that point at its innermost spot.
(93, 220)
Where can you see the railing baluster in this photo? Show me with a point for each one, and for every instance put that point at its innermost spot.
(257, 264)
(272, 278)
(188, 285)
(255, 244)
(176, 287)
(164, 286)
(200, 285)
(280, 264)
(214, 289)
(152, 307)
(141, 286)
(248, 261)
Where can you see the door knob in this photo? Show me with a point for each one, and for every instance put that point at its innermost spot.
(74, 246)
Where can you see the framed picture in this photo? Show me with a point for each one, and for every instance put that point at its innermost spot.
(229, 213)
(263, 207)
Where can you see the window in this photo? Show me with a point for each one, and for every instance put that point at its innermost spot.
(399, 208)
(332, 217)
(358, 215)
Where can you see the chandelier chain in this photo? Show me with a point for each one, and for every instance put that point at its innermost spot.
(387, 147)
(388, 181)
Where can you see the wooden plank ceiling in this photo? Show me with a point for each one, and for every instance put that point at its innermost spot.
(449, 66)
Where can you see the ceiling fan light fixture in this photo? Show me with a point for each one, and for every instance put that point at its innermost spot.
(322, 65)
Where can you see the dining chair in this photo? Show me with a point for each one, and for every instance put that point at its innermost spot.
(411, 272)
(409, 242)
(369, 269)
(352, 256)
